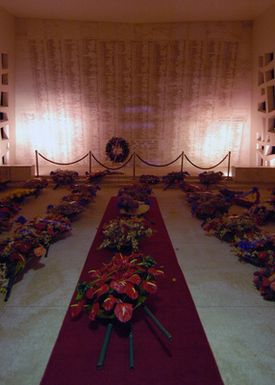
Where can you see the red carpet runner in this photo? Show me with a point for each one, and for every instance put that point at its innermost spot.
(187, 360)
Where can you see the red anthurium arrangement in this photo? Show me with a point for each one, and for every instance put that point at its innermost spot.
(117, 288)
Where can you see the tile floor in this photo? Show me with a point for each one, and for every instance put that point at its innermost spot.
(239, 324)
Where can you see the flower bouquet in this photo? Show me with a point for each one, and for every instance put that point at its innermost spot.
(15, 254)
(85, 188)
(19, 195)
(258, 250)
(118, 288)
(214, 206)
(264, 280)
(237, 197)
(130, 206)
(210, 177)
(96, 177)
(70, 210)
(36, 183)
(149, 179)
(232, 228)
(63, 177)
(174, 178)
(7, 210)
(127, 203)
(123, 234)
(262, 213)
(82, 198)
(51, 228)
(206, 205)
(139, 192)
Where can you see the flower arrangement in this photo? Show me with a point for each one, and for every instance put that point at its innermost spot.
(210, 177)
(85, 188)
(232, 228)
(19, 195)
(127, 203)
(15, 253)
(206, 205)
(50, 228)
(123, 234)
(149, 179)
(63, 177)
(259, 250)
(70, 210)
(117, 149)
(7, 210)
(215, 207)
(96, 177)
(174, 178)
(237, 197)
(115, 290)
(82, 198)
(138, 192)
(36, 183)
(262, 213)
(264, 281)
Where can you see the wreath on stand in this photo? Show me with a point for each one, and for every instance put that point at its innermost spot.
(117, 149)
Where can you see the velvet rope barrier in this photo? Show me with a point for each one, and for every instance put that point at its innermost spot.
(113, 168)
(158, 165)
(206, 168)
(57, 163)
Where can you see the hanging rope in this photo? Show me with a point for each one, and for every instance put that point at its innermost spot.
(206, 168)
(158, 165)
(113, 168)
(62, 164)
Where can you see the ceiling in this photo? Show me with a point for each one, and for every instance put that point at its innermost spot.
(138, 11)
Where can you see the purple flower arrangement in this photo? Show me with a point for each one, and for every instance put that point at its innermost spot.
(258, 250)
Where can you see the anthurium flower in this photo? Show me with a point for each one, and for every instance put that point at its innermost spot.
(90, 293)
(131, 291)
(135, 279)
(94, 311)
(76, 309)
(118, 286)
(123, 311)
(149, 286)
(155, 272)
(109, 303)
(102, 290)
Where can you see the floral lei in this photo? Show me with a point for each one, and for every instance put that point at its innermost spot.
(117, 149)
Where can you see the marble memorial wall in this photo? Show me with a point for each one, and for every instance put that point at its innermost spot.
(163, 87)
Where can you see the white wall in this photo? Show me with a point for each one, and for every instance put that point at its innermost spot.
(263, 42)
(7, 45)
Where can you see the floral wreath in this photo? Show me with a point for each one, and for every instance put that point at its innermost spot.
(117, 149)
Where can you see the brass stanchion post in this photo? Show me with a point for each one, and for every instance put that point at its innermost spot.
(182, 157)
(90, 162)
(134, 165)
(228, 165)
(36, 161)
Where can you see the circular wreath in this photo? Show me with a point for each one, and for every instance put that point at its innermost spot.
(117, 149)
